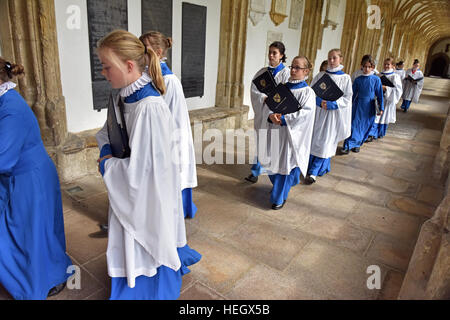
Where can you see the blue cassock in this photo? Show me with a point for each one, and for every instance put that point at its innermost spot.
(365, 88)
(33, 255)
(166, 284)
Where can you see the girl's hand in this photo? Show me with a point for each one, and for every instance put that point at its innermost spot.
(275, 118)
(109, 156)
(324, 105)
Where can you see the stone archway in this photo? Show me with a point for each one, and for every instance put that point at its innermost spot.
(438, 65)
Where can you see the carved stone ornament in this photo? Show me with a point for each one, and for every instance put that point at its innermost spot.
(278, 11)
(332, 16)
(296, 15)
(257, 11)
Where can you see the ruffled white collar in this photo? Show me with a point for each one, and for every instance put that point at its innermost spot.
(135, 86)
(388, 71)
(339, 68)
(297, 81)
(4, 87)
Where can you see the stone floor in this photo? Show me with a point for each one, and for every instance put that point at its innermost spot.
(367, 211)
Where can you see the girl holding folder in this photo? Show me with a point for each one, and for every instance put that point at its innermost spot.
(147, 252)
(413, 85)
(281, 74)
(332, 121)
(391, 98)
(289, 136)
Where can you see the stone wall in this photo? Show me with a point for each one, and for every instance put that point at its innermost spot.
(428, 274)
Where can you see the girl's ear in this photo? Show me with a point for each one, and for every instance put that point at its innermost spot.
(130, 65)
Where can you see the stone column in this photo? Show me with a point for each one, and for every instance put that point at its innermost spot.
(312, 29)
(233, 36)
(28, 31)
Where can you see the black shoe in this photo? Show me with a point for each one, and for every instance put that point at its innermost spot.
(104, 227)
(55, 290)
(278, 206)
(369, 139)
(404, 110)
(344, 151)
(309, 180)
(355, 150)
(251, 178)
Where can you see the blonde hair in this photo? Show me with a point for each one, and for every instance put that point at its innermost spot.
(157, 40)
(307, 64)
(128, 47)
(9, 70)
(338, 51)
(390, 60)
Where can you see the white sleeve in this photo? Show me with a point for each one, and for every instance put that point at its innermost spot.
(102, 136)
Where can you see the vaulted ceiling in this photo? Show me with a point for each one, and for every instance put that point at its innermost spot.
(429, 18)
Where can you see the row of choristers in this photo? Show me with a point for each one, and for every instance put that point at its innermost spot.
(305, 141)
(150, 190)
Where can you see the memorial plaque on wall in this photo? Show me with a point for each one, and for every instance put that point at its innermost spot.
(157, 16)
(103, 17)
(193, 50)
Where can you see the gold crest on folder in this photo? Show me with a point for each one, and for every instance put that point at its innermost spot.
(277, 98)
(323, 86)
(263, 83)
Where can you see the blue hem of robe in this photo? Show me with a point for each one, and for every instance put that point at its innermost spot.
(257, 169)
(318, 166)
(282, 184)
(406, 104)
(378, 130)
(189, 208)
(164, 285)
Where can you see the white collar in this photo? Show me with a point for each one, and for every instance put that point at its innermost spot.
(4, 87)
(297, 81)
(339, 68)
(388, 71)
(135, 86)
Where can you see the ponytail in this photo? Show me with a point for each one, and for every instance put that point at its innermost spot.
(128, 47)
(154, 70)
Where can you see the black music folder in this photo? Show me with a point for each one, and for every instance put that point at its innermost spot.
(386, 82)
(265, 82)
(409, 78)
(327, 89)
(118, 135)
(282, 100)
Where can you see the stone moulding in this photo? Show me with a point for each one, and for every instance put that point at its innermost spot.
(278, 11)
(257, 11)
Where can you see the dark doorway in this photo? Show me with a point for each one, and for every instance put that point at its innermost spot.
(438, 67)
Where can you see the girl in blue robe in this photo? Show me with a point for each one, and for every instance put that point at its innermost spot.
(147, 252)
(33, 259)
(365, 88)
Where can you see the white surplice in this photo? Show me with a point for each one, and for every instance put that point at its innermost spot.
(411, 91)
(146, 220)
(176, 101)
(333, 126)
(392, 96)
(287, 147)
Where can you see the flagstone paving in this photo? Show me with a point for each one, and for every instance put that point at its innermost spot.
(367, 211)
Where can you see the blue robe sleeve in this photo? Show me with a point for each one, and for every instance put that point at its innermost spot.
(283, 122)
(12, 139)
(331, 105)
(106, 149)
(379, 93)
